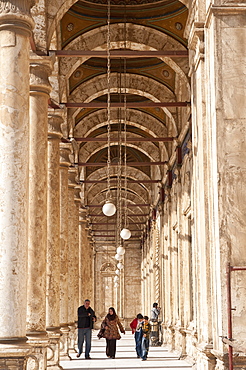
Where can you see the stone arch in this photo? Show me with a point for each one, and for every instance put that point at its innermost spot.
(89, 149)
(136, 85)
(140, 38)
(107, 267)
(57, 9)
(138, 119)
(99, 196)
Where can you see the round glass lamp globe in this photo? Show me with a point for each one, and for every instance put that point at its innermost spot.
(118, 257)
(116, 285)
(116, 279)
(109, 209)
(125, 234)
(121, 251)
(120, 266)
(117, 272)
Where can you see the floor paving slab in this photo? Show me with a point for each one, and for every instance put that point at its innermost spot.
(159, 357)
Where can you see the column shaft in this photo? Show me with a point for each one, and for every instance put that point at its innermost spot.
(64, 163)
(37, 232)
(53, 242)
(15, 30)
(72, 255)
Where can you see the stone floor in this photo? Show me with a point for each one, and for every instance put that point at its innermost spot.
(159, 358)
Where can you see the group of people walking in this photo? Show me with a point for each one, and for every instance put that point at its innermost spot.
(109, 330)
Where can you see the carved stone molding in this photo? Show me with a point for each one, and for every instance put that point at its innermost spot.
(72, 175)
(40, 71)
(15, 16)
(65, 150)
(54, 126)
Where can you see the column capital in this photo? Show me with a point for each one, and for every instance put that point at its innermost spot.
(54, 126)
(15, 17)
(77, 191)
(40, 70)
(65, 150)
(72, 174)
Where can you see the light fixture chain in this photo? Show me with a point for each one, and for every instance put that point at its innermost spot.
(108, 100)
(125, 129)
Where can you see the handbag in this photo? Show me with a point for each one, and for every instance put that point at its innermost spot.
(101, 333)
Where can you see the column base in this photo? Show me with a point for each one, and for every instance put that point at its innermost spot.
(14, 353)
(39, 342)
(53, 349)
(205, 359)
(72, 337)
(64, 346)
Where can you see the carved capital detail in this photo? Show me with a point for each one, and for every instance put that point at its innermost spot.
(39, 76)
(15, 15)
(54, 126)
(65, 150)
(16, 6)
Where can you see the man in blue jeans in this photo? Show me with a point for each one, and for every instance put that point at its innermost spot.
(86, 319)
(146, 328)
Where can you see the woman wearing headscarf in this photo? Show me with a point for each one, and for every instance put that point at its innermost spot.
(111, 323)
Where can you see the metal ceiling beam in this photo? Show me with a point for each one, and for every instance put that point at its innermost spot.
(116, 181)
(114, 223)
(110, 236)
(102, 164)
(102, 215)
(109, 231)
(120, 53)
(128, 139)
(146, 104)
(128, 205)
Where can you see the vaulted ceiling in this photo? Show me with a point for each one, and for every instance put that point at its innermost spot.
(135, 84)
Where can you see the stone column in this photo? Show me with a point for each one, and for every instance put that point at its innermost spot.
(53, 243)
(40, 68)
(15, 30)
(72, 255)
(82, 237)
(64, 164)
(76, 299)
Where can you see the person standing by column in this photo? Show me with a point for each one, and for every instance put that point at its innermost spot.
(155, 327)
(111, 323)
(86, 319)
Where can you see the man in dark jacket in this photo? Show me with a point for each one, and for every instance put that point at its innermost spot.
(86, 318)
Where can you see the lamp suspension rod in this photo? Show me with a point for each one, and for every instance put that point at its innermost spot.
(129, 205)
(108, 100)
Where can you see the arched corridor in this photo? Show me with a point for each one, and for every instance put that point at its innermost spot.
(122, 153)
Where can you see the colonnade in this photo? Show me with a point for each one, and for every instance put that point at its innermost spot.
(40, 207)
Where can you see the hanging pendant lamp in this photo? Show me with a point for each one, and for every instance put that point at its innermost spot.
(108, 208)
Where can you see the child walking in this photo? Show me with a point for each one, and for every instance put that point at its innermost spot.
(146, 328)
